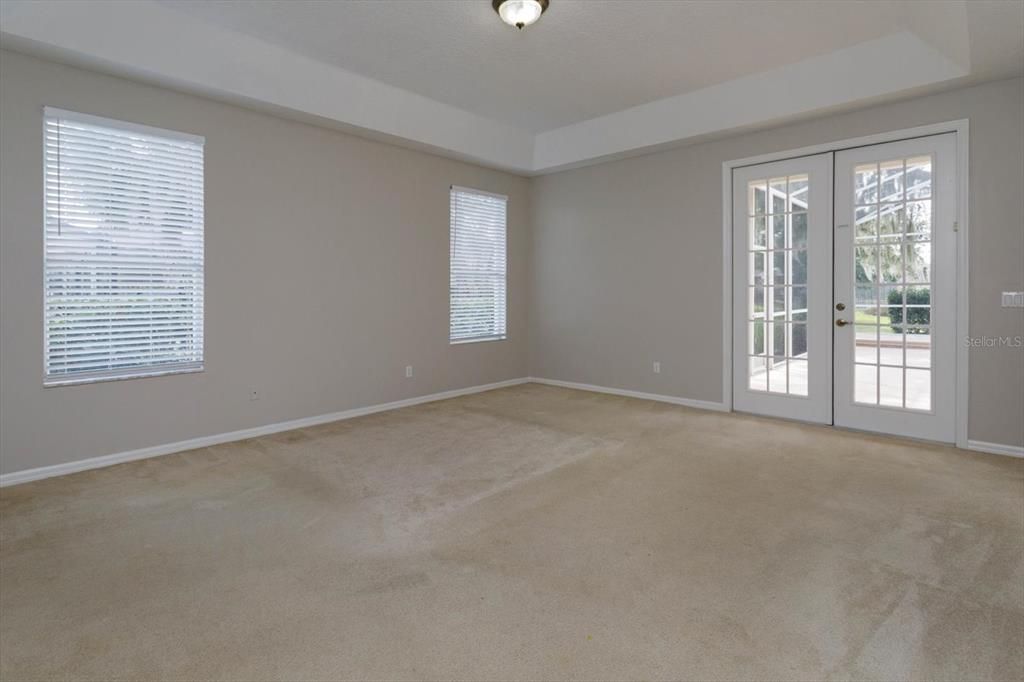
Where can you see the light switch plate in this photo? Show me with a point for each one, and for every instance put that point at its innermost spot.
(1013, 299)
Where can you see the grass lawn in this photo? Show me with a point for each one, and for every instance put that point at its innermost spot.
(864, 317)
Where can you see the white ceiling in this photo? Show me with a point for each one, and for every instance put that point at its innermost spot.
(583, 59)
(592, 79)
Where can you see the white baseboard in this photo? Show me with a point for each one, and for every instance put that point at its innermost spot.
(36, 474)
(979, 446)
(686, 402)
(996, 448)
(205, 441)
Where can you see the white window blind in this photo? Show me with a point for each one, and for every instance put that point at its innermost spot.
(478, 273)
(123, 249)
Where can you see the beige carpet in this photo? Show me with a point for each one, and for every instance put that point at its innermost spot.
(526, 533)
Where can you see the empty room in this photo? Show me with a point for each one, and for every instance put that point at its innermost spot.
(511, 340)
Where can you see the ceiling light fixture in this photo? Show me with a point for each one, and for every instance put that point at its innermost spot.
(519, 13)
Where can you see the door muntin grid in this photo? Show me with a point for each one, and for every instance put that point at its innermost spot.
(893, 283)
(777, 265)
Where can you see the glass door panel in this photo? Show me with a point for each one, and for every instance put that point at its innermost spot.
(782, 248)
(895, 360)
(892, 259)
(777, 279)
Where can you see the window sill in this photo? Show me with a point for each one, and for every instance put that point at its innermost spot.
(54, 382)
(482, 339)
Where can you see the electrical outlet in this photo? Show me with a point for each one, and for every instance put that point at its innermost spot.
(1013, 299)
(657, 367)
(254, 394)
(408, 371)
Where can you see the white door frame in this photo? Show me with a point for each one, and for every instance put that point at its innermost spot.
(962, 129)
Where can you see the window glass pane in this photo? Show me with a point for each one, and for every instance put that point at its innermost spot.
(757, 338)
(890, 222)
(890, 263)
(919, 349)
(758, 232)
(758, 378)
(798, 377)
(919, 177)
(777, 191)
(915, 315)
(778, 348)
(798, 267)
(865, 384)
(799, 230)
(779, 302)
(890, 347)
(798, 192)
(865, 219)
(757, 302)
(799, 299)
(779, 267)
(866, 342)
(866, 294)
(777, 379)
(798, 340)
(892, 181)
(919, 389)
(866, 352)
(918, 319)
(891, 295)
(758, 192)
(918, 218)
(890, 382)
(779, 231)
(871, 314)
(757, 267)
(866, 264)
(865, 184)
(918, 262)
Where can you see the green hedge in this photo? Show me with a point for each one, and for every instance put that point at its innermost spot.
(916, 317)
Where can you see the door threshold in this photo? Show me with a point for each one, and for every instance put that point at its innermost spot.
(847, 429)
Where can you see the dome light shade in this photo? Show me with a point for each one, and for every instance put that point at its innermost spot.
(519, 13)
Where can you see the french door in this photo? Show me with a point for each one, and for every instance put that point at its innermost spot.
(895, 276)
(845, 288)
(782, 289)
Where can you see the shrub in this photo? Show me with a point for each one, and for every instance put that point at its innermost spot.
(917, 318)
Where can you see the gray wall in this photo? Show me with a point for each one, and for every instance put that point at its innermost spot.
(627, 257)
(327, 268)
(327, 274)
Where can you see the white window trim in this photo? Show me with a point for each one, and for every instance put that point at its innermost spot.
(142, 372)
(103, 377)
(124, 125)
(481, 192)
(493, 337)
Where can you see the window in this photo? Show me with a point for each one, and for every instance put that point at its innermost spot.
(123, 250)
(477, 266)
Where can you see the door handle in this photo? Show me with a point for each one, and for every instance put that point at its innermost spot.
(841, 323)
